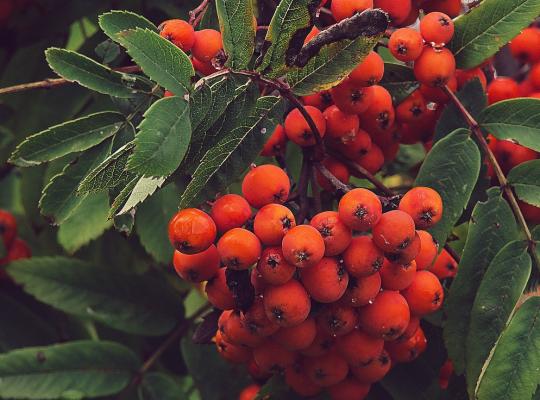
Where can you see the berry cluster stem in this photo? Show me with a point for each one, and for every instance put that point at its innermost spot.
(503, 182)
(197, 13)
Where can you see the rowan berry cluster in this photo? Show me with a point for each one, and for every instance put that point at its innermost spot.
(337, 301)
(15, 247)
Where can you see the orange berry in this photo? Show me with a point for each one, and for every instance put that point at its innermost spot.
(526, 46)
(380, 115)
(449, 7)
(320, 100)
(266, 184)
(394, 231)
(337, 320)
(271, 357)
(502, 88)
(297, 337)
(218, 292)
(273, 267)
(465, 75)
(325, 281)
(299, 382)
(203, 68)
(288, 304)
(437, 94)
(429, 249)
(413, 15)
(250, 392)
(412, 108)
(406, 44)
(326, 370)
(434, 67)
(362, 291)
(414, 323)
(373, 160)
(397, 276)
(259, 284)
(373, 371)
(359, 348)
(192, 231)
(230, 352)
(350, 97)
(336, 235)
(363, 258)
(239, 248)
(360, 209)
(424, 205)
(437, 28)
(207, 44)
(197, 267)
(276, 144)
(511, 154)
(322, 344)
(342, 9)
(340, 127)
(256, 372)
(357, 147)
(298, 129)
(312, 33)
(234, 331)
(407, 350)
(272, 222)
(178, 32)
(370, 71)
(8, 228)
(255, 319)
(445, 266)
(303, 246)
(230, 211)
(19, 250)
(336, 168)
(387, 317)
(398, 10)
(407, 254)
(349, 389)
(425, 294)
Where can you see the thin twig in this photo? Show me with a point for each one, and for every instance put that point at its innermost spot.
(303, 184)
(315, 190)
(452, 253)
(332, 178)
(503, 182)
(194, 14)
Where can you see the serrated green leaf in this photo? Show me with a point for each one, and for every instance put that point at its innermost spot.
(86, 223)
(288, 28)
(453, 177)
(516, 119)
(86, 72)
(115, 22)
(512, 372)
(163, 138)
(60, 198)
(144, 188)
(161, 60)
(108, 51)
(122, 197)
(226, 161)
(238, 31)
(135, 304)
(333, 63)
(399, 80)
(497, 296)
(151, 223)
(84, 368)
(525, 179)
(21, 327)
(492, 226)
(69, 137)
(474, 99)
(161, 386)
(486, 28)
(110, 173)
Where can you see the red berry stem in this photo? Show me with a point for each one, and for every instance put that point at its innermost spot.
(197, 13)
(503, 182)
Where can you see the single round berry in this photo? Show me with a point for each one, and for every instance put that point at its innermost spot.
(297, 127)
(342, 9)
(250, 392)
(276, 144)
(297, 337)
(272, 222)
(403, 351)
(360, 209)
(340, 127)
(230, 352)
(178, 32)
(256, 320)
(359, 348)
(429, 249)
(437, 28)
(303, 246)
(271, 357)
(363, 258)
(370, 71)
(239, 249)
(373, 371)
(424, 205)
(394, 231)
(387, 317)
(197, 267)
(435, 67)
(207, 44)
(425, 294)
(297, 379)
(218, 293)
(337, 169)
(526, 46)
(397, 276)
(503, 88)
(273, 267)
(235, 331)
(266, 184)
(326, 370)
(336, 235)
(397, 10)
(288, 304)
(362, 291)
(337, 320)
(325, 281)
(192, 231)
(230, 211)
(445, 266)
(8, 228)
(350, 97)
(406, 44)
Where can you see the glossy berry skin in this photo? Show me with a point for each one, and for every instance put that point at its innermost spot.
(437, 28)
(207, 44)
(236, 332)
(407, 350)
(407, 254)
(373, 160)
(322, 344)
(342, 9)
(320, 100)
(197, 267)
(272, 222)
(230, 211)
(336, 168)
(266, 184)
(325, 281)
(362, 291)
(326, 370)
(425, 294)
(387, 317)
(350, 97)
(336, 235)
(276, 144)
(445, 266)
(394, 231)
(424, 205)
(218, 292)
(463, 76)
(230, 352)
(256, 320)
(271, 357)
(204, 68)
(370, 71)
(298, 130)
(250, 392)
(287, 305)
(397, 276)
(526, 46)
(435, 67)
(348, 389)
(273, 267)
(340, 127)
(373, 371)
(359, 348)
(429, 249)
(192, 231)
(363, 258)
(360, 209)
(510, 155)
(398, 10)
(303, 246)
(239, 249)
(298, 337)
(358, 147)
(178, 32)
(412, 109)
(502, 88)
(406, 44)
(337, 320)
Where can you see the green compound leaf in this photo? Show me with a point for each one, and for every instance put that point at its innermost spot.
(115, 22)
(80, 369)
(481, 32)
(525, 179)
(399, 80)
(143, 188)
(161, 386)
(70, 137)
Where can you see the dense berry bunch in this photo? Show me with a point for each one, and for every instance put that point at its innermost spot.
(15, 248)
(335, 302)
